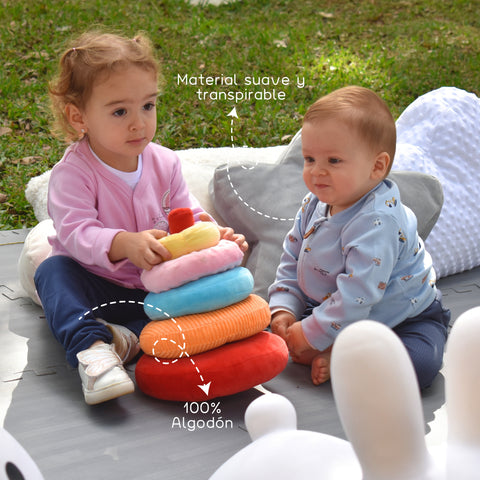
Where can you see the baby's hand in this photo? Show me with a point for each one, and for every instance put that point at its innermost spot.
(280, 323)
(142, 248)
(227, 233)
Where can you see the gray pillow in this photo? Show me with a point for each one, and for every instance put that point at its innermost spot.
(262, 203)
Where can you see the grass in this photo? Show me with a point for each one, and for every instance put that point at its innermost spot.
(401, 49)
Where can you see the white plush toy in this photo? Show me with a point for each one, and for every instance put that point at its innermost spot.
(380, 408)
(15, 462)
(439, 134)
(279, 451)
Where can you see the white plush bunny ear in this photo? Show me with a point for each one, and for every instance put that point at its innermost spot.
(462, 394)
(378, 399)
(281, 452)
(270, 413)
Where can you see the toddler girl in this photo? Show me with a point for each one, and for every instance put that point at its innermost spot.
(109, 198)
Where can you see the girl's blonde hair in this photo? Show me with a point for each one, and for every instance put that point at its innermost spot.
(90, 58)
(364, 111)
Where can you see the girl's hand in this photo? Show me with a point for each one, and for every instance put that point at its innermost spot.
(142, 248)
(227, 233)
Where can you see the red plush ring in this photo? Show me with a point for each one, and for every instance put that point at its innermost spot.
(229, 369)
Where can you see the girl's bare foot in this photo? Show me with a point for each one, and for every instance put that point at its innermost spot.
(321, 367)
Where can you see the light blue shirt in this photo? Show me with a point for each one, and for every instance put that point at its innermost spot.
(365, 262)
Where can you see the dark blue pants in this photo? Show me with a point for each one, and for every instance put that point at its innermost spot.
(424, 337)
(73, 298)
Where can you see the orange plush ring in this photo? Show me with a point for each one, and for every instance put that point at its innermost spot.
(192, 334)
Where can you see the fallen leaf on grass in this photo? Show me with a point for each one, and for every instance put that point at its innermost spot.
(27, 160)
(280, 43)
(3, 198)
(5, 131)
(36, 55)
(326, 14)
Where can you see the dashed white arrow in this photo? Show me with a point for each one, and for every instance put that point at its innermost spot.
(205, 388)
(232, 114)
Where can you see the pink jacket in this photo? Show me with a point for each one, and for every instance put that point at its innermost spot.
(89, 205)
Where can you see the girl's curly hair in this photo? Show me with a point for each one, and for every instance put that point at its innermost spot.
(90, 58)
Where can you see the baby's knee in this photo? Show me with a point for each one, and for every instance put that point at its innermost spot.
(427, 363)
(426, 373)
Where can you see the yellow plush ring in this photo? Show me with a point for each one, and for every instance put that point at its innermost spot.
(197, 237)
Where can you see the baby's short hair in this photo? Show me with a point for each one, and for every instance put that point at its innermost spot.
(364, 111)
(91, 57)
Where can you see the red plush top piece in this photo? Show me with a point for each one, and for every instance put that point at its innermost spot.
(179, 219)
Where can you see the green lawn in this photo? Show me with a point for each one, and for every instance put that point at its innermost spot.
(401, 49)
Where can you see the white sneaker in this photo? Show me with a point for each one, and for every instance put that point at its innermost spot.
(102, 373)
(126, 342)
